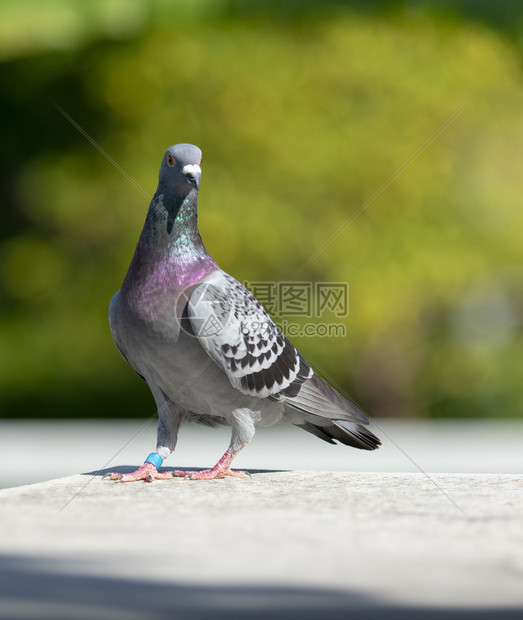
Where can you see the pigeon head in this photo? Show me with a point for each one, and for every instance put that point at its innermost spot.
(180, 170)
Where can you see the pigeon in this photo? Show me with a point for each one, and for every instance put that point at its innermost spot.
(206, 347)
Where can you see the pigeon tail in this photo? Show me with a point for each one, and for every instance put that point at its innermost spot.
(350, 434)
(330, 416)
(316, 396)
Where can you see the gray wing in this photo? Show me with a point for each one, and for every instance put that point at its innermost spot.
(237, 333)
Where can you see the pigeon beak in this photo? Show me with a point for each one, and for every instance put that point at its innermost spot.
(193, 173)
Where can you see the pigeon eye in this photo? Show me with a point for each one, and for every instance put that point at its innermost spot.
(170, 160)
(201, 159)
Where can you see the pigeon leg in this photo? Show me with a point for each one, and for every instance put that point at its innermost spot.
(220, 470)
(147, 472)
(167, 434)
(242, 433)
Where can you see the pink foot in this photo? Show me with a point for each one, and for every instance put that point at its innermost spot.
(220, 470)
(215, 472)
(147, 472)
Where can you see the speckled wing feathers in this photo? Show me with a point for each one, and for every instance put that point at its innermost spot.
(240, 336)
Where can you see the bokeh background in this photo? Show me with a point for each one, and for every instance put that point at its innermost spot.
(303, 110)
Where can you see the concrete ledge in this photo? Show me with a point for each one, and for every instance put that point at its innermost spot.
(294, 544)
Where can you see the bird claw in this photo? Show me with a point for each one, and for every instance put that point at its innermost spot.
(146, 472)
(149, 473)
(180, 474)
(220, 470)
(215, 473)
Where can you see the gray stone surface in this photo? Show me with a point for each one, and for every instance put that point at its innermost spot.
(290, 544)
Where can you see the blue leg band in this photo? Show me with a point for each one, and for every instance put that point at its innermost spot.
(155, 459)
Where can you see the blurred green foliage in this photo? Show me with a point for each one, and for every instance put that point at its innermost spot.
(303, 111)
